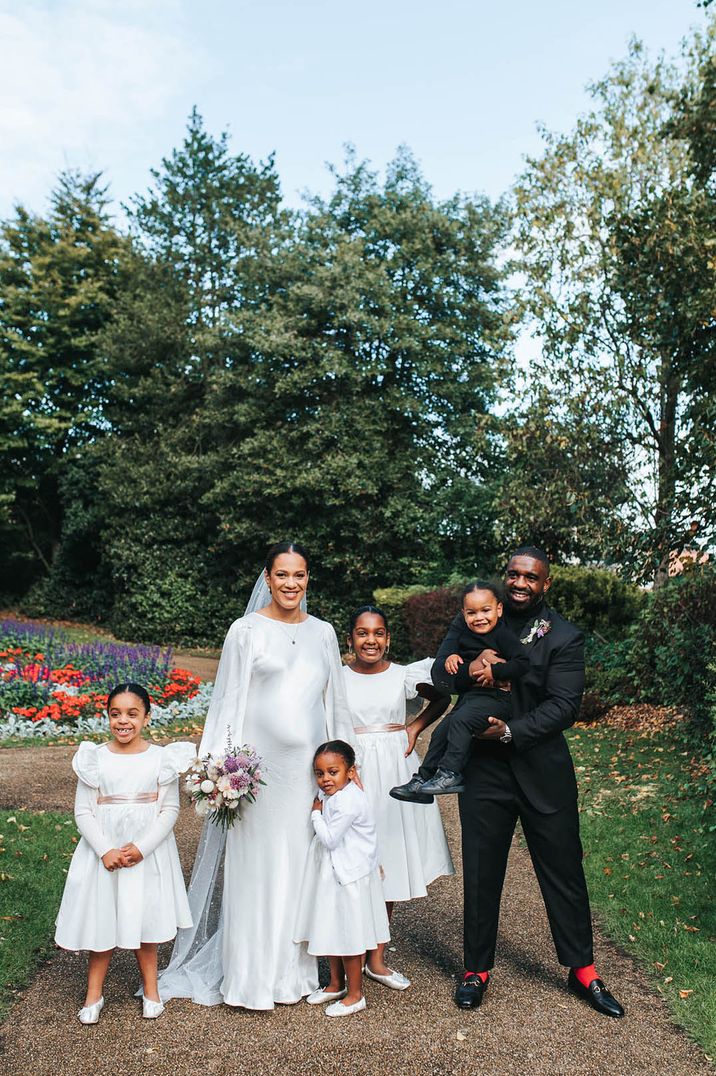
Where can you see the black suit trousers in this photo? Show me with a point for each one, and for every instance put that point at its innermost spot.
(489, 810)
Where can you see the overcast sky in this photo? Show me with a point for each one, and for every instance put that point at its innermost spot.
(102, 85)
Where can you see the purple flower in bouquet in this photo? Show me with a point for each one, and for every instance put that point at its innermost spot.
(218, 783)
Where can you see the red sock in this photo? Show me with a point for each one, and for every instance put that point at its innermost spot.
(586, 974)
(483, 976)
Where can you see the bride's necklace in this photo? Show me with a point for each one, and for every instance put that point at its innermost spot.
(285, 627)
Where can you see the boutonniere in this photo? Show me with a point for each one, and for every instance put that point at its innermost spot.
(538, 631)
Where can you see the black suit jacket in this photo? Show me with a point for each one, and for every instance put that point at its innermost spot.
(545, 702)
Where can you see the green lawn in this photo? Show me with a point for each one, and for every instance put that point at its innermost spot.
(650, 859)
(35, 850)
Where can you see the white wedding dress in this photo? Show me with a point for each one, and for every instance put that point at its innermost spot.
(279, 687)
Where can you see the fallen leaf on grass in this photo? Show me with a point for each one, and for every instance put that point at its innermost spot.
(658, 966)
(685, 993)
(669, 979)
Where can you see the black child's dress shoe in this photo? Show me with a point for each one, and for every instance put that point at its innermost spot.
(411, 792)
(596, 994)
(470, 992)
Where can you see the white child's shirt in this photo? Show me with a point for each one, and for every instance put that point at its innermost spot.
(347, 829)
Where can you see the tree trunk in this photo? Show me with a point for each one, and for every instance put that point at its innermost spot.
(666, 542)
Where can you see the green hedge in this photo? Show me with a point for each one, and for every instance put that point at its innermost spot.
(674, 644)
(595, 599)
(392, 601)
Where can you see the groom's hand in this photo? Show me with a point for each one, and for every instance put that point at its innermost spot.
(497, 728)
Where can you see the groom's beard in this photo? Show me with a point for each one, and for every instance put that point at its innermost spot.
(517, 618)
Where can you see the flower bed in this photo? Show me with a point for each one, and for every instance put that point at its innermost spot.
(50, 686)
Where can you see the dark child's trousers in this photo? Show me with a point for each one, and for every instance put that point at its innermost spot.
(451, 742)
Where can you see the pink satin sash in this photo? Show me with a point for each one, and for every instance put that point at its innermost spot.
(362, 729)
(141, 797)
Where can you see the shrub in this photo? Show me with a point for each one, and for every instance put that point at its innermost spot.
(392, 600)
(428, 616)
(595, 599)
(674, 643)
(163, 596)
(609, 680)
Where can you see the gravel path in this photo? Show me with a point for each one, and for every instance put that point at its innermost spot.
(528, 1023)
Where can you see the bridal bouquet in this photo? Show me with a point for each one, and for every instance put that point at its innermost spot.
(218, 783)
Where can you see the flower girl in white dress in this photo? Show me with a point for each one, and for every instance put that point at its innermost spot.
(413, 848)
(124, 886)
(341, 908)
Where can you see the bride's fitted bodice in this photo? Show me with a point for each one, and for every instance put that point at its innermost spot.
(285, 707)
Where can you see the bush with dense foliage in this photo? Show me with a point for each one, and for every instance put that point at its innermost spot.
(392, 600)
(595, 599)
(674, 644)
(428, 616)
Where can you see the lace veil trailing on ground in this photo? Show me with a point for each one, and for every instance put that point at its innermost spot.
(196, 969)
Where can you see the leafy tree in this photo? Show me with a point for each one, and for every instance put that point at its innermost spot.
(360, 404)
(564, 479)
(58, 279)
(612, 237)
(360, 354)
(207, 217)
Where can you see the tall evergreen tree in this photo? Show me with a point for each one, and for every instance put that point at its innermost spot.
(58, 279)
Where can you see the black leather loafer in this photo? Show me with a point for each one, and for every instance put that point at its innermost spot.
(470, 992)
(410, 791)
(597, 995)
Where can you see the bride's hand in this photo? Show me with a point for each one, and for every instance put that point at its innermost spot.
(317, 804)
(357, 781)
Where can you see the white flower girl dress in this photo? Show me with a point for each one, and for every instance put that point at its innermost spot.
(121, 799)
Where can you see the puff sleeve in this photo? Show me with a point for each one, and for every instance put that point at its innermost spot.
(86, 765)
(176, 758)
(418, 672)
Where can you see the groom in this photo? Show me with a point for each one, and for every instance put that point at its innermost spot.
(523, 770)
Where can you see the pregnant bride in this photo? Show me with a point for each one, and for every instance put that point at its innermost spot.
(279, 687)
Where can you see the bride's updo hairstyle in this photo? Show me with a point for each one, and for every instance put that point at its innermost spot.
(284, 547)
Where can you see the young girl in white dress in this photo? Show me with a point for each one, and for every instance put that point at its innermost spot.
(341, 908)
(411, 838)
(124, 886)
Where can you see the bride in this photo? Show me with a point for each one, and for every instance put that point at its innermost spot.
(279, 687)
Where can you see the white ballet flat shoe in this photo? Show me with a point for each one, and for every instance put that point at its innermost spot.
(89, 1014)
(339, 1009)
(396, 980)
(321, 996)
(151, 1009)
